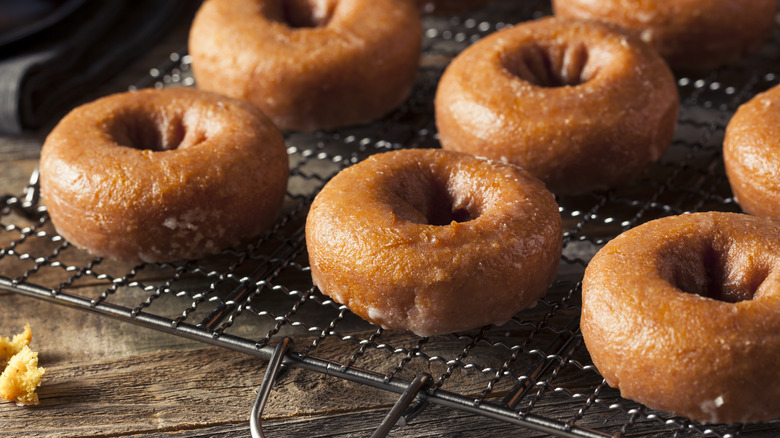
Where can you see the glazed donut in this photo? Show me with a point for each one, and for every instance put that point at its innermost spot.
(579, 104)
(752, 156)
(160, 175)
(433, 241)
(682, 314)
(309, 64)
(689, 34)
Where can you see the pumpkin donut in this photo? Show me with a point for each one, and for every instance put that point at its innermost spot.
(689, 34)
(309, 64)
(433, 241)
(160, 175)
(752, 156)
(682, 314)
(579, 104)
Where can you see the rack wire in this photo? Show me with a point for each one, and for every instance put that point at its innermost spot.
(534, 371)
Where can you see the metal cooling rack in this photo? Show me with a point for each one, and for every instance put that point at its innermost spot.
(533, 371)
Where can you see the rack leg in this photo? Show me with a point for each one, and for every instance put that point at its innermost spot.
(401, 405)
(274, 366)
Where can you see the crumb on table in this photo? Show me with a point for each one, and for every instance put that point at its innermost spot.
(9, 347)
(21, 374)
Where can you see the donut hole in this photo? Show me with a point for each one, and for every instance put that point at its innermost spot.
(444, 211)
(717, 272)
(147, 130)
(306, 13)
(434, 200)
(549, 65)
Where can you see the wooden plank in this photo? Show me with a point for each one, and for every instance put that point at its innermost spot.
(15, 172)
(21, 147)
(108, 377)
(435, 421)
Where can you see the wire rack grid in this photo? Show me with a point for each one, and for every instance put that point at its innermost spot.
(533, 371)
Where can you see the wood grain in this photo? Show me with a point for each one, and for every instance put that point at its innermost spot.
(105, 377)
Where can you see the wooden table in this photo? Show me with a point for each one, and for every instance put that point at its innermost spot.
(109, 378)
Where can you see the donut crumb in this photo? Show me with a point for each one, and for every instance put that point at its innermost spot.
(10, 347)
(21, 375)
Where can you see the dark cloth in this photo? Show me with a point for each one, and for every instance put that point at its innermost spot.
(43, 73)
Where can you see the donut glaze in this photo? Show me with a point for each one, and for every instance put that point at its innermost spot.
(752, 156)
(160, 175)
(433, 241)
(309, 64)
(579, 104)
(689, 34)
(682, 314)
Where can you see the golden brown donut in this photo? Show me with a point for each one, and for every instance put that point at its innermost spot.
(751, 154)
(682, 314)
(433, 241)
(160, 175)
(309, 64)
(691, 34)
(579, 104)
